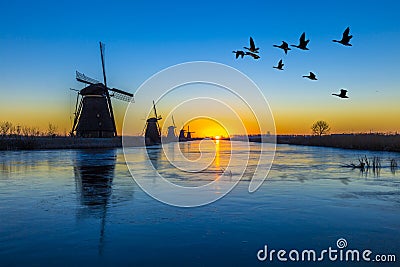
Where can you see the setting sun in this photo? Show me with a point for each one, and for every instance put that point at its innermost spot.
(205, 127)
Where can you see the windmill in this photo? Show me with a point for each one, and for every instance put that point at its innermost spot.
(189, 134)
(94, 116)
(153, 134)
(182, 137)
(171, 134)
(188, 137)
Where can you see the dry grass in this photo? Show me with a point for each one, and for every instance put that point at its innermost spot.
(377, 142)
(31, 143)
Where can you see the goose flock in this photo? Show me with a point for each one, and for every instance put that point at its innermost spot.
(253, 51)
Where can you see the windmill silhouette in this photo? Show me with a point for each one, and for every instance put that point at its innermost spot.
(189, 134)
(182, 137)
(171, 134)
(153, 134)
(94, 115)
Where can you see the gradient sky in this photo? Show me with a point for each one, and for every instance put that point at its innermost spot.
(42, 43)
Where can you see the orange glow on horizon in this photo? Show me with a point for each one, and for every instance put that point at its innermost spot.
(347, 119)
(203, 127)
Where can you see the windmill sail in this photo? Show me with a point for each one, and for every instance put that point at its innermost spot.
(121, 95)
(85, 79)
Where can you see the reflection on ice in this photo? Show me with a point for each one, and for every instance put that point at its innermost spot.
(94, 174)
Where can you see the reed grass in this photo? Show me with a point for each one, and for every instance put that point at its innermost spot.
(376, 142)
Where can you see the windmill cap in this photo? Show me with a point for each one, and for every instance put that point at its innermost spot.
(93, 89)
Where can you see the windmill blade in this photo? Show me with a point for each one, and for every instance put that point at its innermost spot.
(85, 79)
(155, 110)
(121, 95)
(102, 51)
(173, 121)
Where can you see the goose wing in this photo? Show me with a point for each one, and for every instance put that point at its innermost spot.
(236, 53)
(346, 33)
(303, 37)
(252, 45)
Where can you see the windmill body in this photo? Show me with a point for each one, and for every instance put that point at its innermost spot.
(182, 137)
(153, 134)
(94, 118)
(171, 134)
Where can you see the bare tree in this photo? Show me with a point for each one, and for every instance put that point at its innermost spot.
(320, 128)
(51, 130)
(26, 130)
(18, 130)
(12, 130)
(5, 127)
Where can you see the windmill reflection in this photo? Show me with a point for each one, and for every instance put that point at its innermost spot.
(154, 154)
(94, 174)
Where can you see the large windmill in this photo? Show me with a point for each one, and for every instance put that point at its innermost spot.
(94, 116)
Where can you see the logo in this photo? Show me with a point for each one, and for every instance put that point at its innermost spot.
(340, 253)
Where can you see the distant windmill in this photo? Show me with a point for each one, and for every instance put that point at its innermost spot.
(189, 134)
(171, 134)
(94, 116)
(188, 137)
(182, 137)
(153, 134)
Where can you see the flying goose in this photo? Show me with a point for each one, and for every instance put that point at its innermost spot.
(283, 46)
(239, 53)
(342, 94)
(280, 65)
(311, 76)
(252, 47)
(302, 42)
(345, 38)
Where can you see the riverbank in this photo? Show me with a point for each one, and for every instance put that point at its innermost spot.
(374, 142)
(58, 142)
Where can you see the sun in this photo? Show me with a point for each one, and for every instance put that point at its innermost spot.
(217, 137)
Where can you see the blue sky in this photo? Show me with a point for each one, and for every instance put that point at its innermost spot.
(42, 43)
